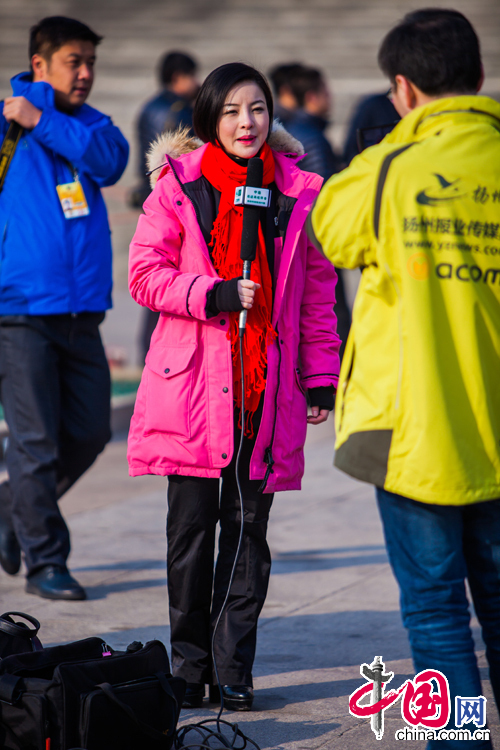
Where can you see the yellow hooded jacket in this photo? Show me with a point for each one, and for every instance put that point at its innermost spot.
(418, 404)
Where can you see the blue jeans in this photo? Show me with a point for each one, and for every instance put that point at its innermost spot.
(432, 550)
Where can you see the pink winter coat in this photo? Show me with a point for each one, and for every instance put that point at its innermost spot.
(183, 418)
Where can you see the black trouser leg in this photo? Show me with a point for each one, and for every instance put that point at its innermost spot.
(194, 509)
(85, 382)
(193, 512)
(30, 397)
(149, 320)
(55, 390)
(342, 312)
(236, 637)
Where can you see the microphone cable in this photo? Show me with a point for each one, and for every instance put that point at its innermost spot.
(249, 240)
(201, 727)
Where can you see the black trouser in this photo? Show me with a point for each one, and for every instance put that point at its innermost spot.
(342, 312)
(194, 507)
(55, 390)
(149, 320)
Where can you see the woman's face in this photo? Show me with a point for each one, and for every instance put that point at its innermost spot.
(244, 121)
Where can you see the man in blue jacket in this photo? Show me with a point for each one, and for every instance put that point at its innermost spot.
(55, 285)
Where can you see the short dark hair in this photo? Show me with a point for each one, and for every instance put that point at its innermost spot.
(213, 94)
(175, 62)
(53, 32)
(437, 49)
(280, 75)
(304, 80)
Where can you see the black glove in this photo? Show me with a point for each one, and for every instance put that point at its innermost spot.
(223, 297)
(323, 397)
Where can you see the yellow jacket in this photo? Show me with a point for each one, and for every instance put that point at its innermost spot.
(418, 404)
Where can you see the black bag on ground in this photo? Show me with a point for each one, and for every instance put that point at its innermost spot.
(17, 637)
(84, 695)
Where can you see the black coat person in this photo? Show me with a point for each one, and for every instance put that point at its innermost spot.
(304, 104)
(169, 110)
(374, 116)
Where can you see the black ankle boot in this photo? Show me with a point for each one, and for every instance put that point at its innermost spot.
(236, 697)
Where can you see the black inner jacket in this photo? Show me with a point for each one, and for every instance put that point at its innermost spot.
(274, 221)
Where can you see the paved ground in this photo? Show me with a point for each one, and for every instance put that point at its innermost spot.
(332, 602)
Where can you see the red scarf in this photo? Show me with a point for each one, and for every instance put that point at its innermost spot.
(225, 175)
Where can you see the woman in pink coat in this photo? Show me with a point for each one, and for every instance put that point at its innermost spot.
(185, 263)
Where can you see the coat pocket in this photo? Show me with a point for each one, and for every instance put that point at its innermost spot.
(297, 423)
(297, 381)
(170, 374)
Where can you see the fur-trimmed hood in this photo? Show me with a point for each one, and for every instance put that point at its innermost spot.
(176, 143)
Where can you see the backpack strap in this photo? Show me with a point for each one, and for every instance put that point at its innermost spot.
(8, 149)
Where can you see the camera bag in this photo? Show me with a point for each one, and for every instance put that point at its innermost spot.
(85, 695)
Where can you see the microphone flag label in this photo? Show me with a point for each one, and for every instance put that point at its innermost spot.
(252, 196)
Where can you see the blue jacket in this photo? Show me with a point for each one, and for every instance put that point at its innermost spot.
(49, 264)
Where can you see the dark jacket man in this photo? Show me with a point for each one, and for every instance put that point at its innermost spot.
(310, 129)
(170, 109)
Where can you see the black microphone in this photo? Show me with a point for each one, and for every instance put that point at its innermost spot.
(250, 231)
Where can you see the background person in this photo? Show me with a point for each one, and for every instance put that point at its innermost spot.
(168, 110)
(375, 112)
(54, 289)
(310, 120)
(418, 412)
(185, 263)
(304, 106)
(285, 102)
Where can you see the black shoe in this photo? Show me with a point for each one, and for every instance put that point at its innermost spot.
(54, 582)
(10, 551)
(193, 697)
(236, 697)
